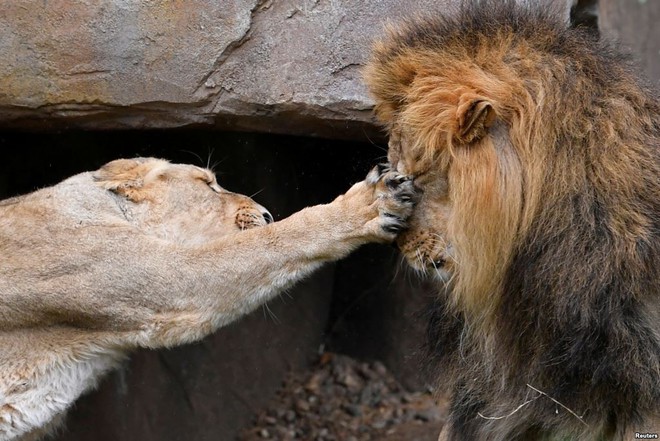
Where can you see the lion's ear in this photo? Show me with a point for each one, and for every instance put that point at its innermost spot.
(128, 177)
(475, 115)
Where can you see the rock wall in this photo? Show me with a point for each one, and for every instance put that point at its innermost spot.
(286, 66)
(636, 25)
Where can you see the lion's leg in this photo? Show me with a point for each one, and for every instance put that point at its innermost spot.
(34, 412)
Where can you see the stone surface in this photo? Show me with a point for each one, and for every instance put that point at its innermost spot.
(635, 24)
(82, 60)
(287, 66)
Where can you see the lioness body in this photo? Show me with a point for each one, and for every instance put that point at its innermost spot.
(538, 154)
(143, 253)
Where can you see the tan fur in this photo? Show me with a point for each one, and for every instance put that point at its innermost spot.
(538, 161)
(144, 253)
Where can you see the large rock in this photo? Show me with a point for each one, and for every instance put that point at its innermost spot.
(635, 24)
(289, 66)
(116, 63)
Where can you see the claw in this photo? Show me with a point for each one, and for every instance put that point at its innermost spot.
(392, 216)
(383, 167)
(397, 226)
(394, 229)
(373, 176)
(406, 197)
(407, 194)
(396, 195)
(396, 181)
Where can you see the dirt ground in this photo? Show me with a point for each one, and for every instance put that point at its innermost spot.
(347, 400)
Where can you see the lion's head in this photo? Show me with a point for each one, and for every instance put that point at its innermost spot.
(178, 202)
(450, 128)
(514, 136)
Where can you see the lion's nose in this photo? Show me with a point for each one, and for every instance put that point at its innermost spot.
(267, 216)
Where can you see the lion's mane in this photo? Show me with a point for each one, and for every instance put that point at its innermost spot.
(552, 325)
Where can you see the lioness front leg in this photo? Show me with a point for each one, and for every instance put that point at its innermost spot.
(141, 277)
(151, 292)
(226, 279)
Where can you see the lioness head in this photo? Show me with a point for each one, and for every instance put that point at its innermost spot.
(178, 202)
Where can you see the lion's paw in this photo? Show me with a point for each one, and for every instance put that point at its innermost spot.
(395, 199)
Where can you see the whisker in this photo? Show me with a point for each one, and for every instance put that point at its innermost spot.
(208, 158)
(373, 143)
(420, 260)
(216, 164)
(257, 192)
(201, 161)
(397, 267)
(272, 314)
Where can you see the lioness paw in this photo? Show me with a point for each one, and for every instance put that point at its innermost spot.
(395, 199)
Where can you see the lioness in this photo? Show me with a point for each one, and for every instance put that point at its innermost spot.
(144, 253)
(537, 151)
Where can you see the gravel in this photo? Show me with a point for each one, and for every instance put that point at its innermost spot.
(343, 399)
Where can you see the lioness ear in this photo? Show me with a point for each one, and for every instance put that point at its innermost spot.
(127, 177)
(475, 115)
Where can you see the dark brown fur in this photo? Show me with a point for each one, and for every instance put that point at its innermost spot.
(550, 328)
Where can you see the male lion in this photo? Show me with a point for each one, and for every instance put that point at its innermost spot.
(537, 152)
(144, 253)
